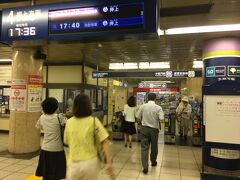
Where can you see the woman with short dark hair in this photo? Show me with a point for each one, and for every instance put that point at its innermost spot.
(79, 135)
(52, 160)
(128, 126)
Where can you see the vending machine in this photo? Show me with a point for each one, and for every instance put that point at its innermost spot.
(221, 110)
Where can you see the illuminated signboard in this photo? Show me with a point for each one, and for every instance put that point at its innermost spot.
(101, 18)
(80, 19)
(163, 74)
(23, 24)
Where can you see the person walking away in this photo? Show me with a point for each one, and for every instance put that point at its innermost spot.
(80, 133)
(128, 126)
(52, 160)
(183, 112)
(150, 114)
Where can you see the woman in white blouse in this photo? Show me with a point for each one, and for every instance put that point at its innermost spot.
(128, 126)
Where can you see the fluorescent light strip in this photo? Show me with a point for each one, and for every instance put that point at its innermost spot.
(197, 64)
(141, 65)
(159, 65)
(203, 29)
(157, 82)
(123, 66)
(130, 66)
(144, 65)
(154, 65)
(116, 66)
(160, 32)
(5, 60)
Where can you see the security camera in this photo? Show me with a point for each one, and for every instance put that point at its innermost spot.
(40, 55)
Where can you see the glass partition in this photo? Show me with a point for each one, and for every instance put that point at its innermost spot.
(59, 95)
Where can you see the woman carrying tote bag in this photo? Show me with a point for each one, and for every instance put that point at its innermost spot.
(79, 134)
(52, 160)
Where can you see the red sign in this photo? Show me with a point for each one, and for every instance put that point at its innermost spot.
(20, 86)
(35, 79)
(155, 89)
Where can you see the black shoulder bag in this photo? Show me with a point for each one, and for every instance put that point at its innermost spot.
(62, 128)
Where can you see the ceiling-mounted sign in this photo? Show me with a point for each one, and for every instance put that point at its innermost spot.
(163, 74)
(24, 23)
(152, 85)
(80, 19)
(216, 71)
(234, 71)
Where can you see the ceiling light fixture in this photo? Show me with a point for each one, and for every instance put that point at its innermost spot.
(141, 65)
(130, 66)
(123, 66)
(159, 65)
(154, 65)
(160, 32)
(115, 65)
(203, 29)
(197, 64)
(158, 82)
(5, 60)
(144, 65)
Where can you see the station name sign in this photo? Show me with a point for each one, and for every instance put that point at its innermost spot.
(164, 74)
(79, 19)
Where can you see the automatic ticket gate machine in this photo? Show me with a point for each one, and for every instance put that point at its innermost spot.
(197, 125)
(221, 117)
(170, 126)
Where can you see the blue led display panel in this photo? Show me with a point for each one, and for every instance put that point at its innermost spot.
(99, 18)
(80, 19)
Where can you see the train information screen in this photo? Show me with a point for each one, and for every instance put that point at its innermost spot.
(80, 19)
(98, 18)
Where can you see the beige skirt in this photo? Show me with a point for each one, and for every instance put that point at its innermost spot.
(84, 170)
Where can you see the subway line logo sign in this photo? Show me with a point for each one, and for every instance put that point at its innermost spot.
(216, 71)
(210, 72)
(234, 71)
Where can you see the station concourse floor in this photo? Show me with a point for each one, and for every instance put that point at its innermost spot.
(174, 163)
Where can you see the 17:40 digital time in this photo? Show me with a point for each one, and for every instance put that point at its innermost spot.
(21, 31)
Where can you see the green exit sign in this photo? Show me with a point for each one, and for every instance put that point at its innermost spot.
(234, 71)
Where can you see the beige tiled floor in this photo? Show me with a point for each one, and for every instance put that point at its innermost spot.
(174, 163)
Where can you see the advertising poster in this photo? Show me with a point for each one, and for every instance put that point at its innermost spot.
(34, 93)
(34, 98)
(222, 119)
(18, 100)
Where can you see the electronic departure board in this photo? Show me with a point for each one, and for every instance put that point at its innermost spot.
(99, 18)
(85, 18)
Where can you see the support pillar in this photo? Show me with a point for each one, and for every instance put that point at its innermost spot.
(24, 137)
(221, 102)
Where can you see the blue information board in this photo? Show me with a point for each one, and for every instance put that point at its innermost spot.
(80, 19)
(218, 69)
